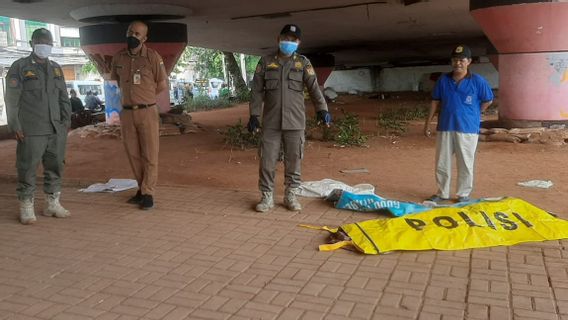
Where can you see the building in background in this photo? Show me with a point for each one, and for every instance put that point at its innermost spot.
(15, 35)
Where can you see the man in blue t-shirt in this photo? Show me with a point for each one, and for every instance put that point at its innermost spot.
(460, 97)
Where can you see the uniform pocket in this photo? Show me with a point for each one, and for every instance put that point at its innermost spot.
(146, 76)
(32, 90)
(295, 81)
(32, 84)
(122, 75)
(272, 80)
(60, 84)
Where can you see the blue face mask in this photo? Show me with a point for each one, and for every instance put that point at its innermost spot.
(288, 47)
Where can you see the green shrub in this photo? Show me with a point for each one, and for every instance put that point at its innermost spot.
(203, 102)
(346, 130)
(313, 130)
(238, 136)
(243, 96)
(396, 121)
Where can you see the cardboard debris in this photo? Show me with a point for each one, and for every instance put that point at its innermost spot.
(543, 184)
(181, 121)
(555, 135)
(358, 170)
(172, 124)
(99, 130)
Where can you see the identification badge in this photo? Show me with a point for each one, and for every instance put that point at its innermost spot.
(136, 78)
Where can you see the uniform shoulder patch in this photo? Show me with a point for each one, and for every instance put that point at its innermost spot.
(13, 81)
(310, 70)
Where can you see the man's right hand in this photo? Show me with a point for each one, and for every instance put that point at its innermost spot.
(427, 131)
(253, 125)
(19, 135)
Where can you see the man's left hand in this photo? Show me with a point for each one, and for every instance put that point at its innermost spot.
(324, 116)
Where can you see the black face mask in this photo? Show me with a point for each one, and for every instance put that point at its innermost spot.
(132, 42)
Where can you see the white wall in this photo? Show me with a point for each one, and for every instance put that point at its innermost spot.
(408, 78)
(347, 80)
(400, 79)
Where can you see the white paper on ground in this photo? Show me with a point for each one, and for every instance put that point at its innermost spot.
(113, 185)
(322, 188)
(543, 184)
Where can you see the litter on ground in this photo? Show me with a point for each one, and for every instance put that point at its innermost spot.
(113, 185)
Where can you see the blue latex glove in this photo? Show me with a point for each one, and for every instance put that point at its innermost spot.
(253, 125)
(324, 116)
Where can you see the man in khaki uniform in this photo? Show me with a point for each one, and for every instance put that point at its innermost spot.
(39, 114)
(279, 82)
(141, 76)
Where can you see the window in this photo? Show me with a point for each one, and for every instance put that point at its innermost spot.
(70, 42)
(31, 26)
(84, 88)
(5, 28)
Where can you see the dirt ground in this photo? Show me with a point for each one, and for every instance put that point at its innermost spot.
(401, 168)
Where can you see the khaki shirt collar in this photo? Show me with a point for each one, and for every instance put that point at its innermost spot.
(143, 52)
(31, 60)
(284, 61)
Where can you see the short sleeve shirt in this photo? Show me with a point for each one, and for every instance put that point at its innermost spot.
(461, 102)
(138, 75)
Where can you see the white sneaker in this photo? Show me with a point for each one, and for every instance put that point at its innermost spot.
(266, 202)
(53, 208)
(27, 214)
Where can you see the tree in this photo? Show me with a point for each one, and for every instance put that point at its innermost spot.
(234, 70)
(250, 63)
(89, 67)
(209, 64)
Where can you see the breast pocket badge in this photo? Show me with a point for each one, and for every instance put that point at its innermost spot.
(468, 100)
(136, 78)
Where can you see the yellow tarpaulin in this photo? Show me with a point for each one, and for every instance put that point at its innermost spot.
(484, 224)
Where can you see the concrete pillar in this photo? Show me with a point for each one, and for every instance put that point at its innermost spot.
(101, 42)
(530, 37)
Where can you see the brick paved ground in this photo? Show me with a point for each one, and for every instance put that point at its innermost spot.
(204, 254)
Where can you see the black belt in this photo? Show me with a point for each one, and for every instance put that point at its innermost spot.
(138, 106)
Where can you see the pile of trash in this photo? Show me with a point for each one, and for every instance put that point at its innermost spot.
(96, 131)
(171, 125)
(555, 135)
(176, 124)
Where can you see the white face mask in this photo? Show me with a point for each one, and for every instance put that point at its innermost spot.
(42, 50)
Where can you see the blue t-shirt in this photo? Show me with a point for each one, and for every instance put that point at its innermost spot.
(461, 103)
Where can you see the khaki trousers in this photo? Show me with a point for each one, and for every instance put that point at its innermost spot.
(141, 137)
(50, 151)
(463, 145)
(293, 153)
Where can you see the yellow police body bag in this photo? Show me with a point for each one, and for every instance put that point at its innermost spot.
(502, 222)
